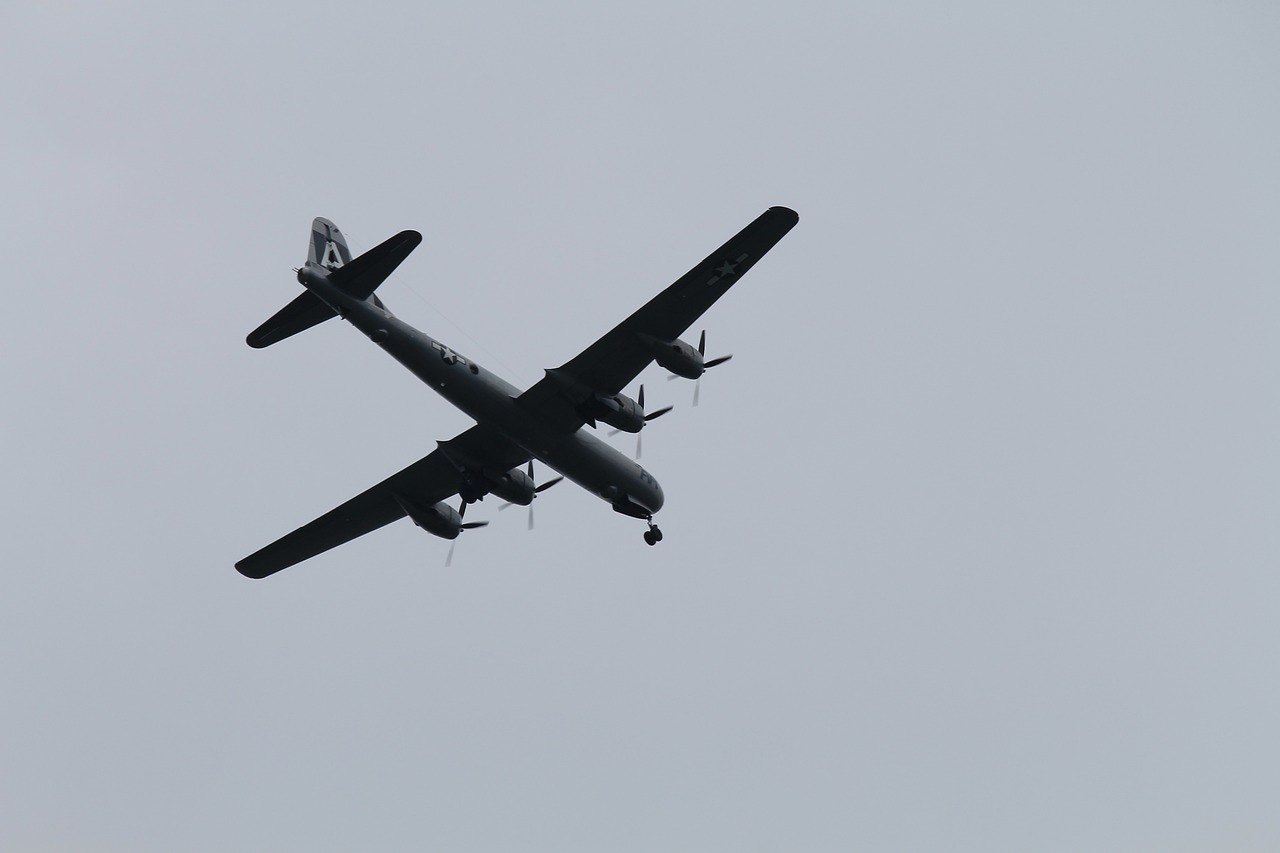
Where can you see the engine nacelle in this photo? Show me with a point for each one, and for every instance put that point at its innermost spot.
(439, 519)
(680, 358)
(617, 410)
(514, 486)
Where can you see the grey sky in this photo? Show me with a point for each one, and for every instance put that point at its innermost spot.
(971, 548)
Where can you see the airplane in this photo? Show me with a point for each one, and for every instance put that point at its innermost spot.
(547, 422)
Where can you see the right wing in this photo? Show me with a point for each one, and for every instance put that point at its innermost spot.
(613, 361)
(427, 481)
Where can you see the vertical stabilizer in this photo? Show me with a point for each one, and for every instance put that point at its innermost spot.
(328, 247)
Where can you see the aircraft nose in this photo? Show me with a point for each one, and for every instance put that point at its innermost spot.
(657, 498)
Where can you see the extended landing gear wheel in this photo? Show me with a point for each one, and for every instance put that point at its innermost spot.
(653, 535)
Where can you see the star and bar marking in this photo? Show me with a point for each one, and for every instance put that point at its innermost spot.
(448, 355)
(727, 269)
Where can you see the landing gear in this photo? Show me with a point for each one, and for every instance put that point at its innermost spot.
(653, 535)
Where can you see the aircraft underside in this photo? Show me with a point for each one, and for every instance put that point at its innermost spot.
(549, 422)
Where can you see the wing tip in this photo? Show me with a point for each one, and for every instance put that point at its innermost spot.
(246, 567)
(785, 212)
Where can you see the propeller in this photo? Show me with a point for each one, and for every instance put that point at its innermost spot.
(706, 365)
(536, 491)
(470, 525)
(647, 418)
(702, 350)
(651, 415)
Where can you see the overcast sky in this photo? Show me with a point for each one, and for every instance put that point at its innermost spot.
(972, 547)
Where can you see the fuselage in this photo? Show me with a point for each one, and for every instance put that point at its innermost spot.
(492, 401)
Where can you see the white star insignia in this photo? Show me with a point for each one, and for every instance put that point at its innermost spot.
(727, 268)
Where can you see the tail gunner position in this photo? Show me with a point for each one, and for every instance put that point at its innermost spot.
(513, 428)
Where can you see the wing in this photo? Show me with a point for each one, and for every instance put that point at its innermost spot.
(428, 481)
(611, 363)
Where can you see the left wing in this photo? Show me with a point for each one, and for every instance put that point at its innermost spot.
(611, 363)
(427, 481)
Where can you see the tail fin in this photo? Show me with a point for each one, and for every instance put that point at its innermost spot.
(328, 248)
(358, 277)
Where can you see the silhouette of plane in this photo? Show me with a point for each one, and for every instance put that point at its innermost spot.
(513, 428)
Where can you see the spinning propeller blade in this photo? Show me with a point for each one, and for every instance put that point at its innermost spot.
(470, 525)
(536, 491)
(547, 485)
(706, 365)
(648, 417)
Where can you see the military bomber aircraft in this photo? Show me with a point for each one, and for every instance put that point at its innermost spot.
(547, 422)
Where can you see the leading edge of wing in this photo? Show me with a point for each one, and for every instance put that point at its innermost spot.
(371, 509)
(431, 479)
(618, 357)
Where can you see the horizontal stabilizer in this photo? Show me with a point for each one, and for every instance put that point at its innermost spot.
(361, 277)
(298, 316)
